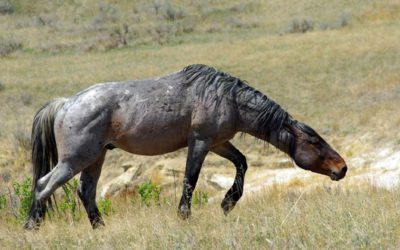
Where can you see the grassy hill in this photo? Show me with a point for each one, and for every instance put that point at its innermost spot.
(332, 64)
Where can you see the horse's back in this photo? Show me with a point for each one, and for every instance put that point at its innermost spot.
(144, 117)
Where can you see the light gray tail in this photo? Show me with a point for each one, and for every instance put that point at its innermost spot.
(44, 148)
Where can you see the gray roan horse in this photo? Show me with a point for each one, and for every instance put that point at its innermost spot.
(197, 107)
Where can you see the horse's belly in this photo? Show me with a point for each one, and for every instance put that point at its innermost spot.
(151, 129)
(151, 144)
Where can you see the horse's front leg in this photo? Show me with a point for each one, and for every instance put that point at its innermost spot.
(197, 151)
(228, 151)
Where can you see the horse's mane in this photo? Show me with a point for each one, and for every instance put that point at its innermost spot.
(272, 116)
(208, 78)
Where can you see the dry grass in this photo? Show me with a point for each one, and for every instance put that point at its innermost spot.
(344, 82)
(327, 217)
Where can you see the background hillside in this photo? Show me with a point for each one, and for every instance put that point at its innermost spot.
(332, 64)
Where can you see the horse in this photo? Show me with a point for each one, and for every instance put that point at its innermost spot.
(197, 107)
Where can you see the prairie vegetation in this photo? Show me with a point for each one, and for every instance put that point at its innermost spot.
(324, 217)
(333, 64)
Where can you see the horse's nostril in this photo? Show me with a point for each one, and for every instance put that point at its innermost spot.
(344, 170)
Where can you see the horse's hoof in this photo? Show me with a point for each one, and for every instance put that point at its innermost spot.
(98, 224)
(31, 224)
(227, 205)
(184, 212)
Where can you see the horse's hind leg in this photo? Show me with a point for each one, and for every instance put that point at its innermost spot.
(228, 151)
(60, 174)
(65, 169)
(87, 191)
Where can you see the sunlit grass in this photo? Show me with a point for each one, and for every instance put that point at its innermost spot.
(320, 217)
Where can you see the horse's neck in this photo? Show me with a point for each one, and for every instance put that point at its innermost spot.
(250, 114)
(249, 105)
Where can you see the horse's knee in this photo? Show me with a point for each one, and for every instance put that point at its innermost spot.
(41, 183)
(240, 162)
(58, 177)
(240, 158)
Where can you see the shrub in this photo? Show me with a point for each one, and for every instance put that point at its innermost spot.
(22, 139)
(214, 28)
(235, 22)
(26, 98)
(3, 201)
(105, 207)
(2, 86)
(23, 192)
(5, 176)
(200, 198)
(172, 14)
(300, 26)
(325, 26)
(49, 20)
(165, 10)
(344, 19)
(114, 37)
(120, 35)
(342, 22)
(69, 203)
(149, 193)
(162, 33)
(8, 46)
(6, 7)
(107, 13)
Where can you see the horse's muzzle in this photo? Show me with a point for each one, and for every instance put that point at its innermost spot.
(335, 176)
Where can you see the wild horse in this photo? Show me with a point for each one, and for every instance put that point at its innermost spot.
(197, 107)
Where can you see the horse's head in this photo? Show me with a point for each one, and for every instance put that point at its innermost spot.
(311, 152)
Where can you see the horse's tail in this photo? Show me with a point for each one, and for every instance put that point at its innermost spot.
(44, 148)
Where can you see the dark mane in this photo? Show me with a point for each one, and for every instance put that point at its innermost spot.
(272, 117)
(208, 78)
